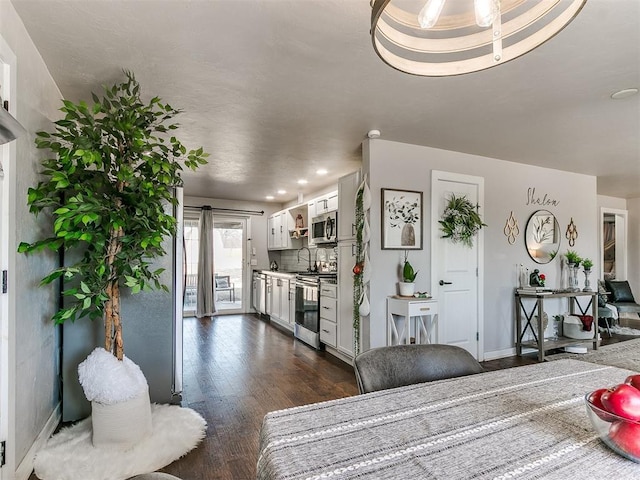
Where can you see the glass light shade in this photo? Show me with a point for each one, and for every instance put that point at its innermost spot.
(430, 13)
(455, 44)
(486, 12)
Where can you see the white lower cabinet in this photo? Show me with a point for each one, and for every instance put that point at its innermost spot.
(346, 261)
(281, 299)
(329, 314)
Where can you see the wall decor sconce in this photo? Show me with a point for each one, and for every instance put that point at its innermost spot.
(572, 233)
(511, 229)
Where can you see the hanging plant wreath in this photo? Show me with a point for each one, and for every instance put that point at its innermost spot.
(460, 220)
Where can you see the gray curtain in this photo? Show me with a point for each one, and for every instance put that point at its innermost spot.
(205, 306)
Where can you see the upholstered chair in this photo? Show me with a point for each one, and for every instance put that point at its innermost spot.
(399, 365)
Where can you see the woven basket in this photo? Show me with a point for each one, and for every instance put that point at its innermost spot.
(122, 424)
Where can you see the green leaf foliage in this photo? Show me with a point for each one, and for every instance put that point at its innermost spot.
(111, 167)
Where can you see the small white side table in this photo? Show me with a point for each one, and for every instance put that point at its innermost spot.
(424, 311)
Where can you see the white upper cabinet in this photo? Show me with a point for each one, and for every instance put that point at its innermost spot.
(325, 204)
(282, 233)
(347, 187)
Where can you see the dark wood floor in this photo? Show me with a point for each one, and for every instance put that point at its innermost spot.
(237, 368)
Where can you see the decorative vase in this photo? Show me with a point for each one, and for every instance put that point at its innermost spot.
(564, 275)
(587, 283)
(407, 289)
(545, 323)
(408, 236)
(573, 278)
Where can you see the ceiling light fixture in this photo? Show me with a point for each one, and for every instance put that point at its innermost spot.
(322, 171)
(302, 181)
(450, 37)
(269, 197)
(627, 92)
(281, 192)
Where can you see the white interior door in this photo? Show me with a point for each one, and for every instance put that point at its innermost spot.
(456, 279)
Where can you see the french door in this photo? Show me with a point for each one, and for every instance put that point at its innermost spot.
(231, 284)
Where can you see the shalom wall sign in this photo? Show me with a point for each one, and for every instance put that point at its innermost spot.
(533, 198)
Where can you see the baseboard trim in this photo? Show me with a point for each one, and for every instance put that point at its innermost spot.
(339, 355)
(24, 470)
(508, 352)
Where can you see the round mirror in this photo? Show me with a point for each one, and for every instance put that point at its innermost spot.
(542, 236)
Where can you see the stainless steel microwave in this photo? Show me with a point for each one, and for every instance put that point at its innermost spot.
(324, 229)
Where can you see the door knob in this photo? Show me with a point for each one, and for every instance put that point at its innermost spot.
(442, 282)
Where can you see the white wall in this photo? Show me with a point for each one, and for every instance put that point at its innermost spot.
(403, 166)
(34, 393)
(611, 202)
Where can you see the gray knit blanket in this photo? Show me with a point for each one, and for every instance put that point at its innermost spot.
(528, 423)
(623, 354)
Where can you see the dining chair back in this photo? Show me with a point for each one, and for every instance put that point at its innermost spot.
(399, 365)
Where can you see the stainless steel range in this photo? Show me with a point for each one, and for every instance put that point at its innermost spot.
(307, 326)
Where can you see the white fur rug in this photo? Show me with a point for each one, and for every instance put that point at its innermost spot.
(624, 330)
(70, 455)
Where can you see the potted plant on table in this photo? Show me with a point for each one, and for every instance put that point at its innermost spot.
(112, 174)
(574, 260)
(407, 285)
(586, 265)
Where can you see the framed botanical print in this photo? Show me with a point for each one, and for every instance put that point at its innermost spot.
(401, 219)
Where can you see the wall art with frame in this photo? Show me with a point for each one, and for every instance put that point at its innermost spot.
(401, 219)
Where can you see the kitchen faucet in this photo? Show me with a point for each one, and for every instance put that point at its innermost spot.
(308, 257)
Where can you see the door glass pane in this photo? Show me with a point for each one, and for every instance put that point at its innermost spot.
(227, 263)
(191, 236)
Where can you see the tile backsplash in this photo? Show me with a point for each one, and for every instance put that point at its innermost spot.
(298, 260)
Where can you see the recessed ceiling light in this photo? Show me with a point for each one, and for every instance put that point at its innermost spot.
(627, 92)
(322, 171)
(281, 192)
(269, 197)
(302, 181)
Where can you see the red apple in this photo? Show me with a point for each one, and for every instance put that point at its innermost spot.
(595, 399)
(622, 400)
(626, 436)
(633, 380)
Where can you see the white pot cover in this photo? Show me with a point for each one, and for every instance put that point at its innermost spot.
(122, 424)
(407, 289)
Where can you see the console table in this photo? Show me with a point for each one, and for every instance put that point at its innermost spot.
(539, 342)
(423, 311)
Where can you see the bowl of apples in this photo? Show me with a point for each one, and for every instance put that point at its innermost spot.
(615, 415)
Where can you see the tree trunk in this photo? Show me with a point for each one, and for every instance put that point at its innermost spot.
(112, 324)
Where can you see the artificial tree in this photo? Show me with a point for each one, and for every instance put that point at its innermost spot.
(112, 174)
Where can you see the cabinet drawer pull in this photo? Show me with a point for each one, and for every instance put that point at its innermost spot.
(325, 331)
(425, 309)
(326, 308)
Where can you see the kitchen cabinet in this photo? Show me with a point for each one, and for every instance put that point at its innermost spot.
(259, 292)
(324, 204)
(346, 261)
(281, 300)
(328, 313)
(279, 225)
(347, 188)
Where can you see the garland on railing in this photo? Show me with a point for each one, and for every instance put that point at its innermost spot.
(358, 269)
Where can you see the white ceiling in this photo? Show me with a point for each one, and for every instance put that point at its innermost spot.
(276, 89)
